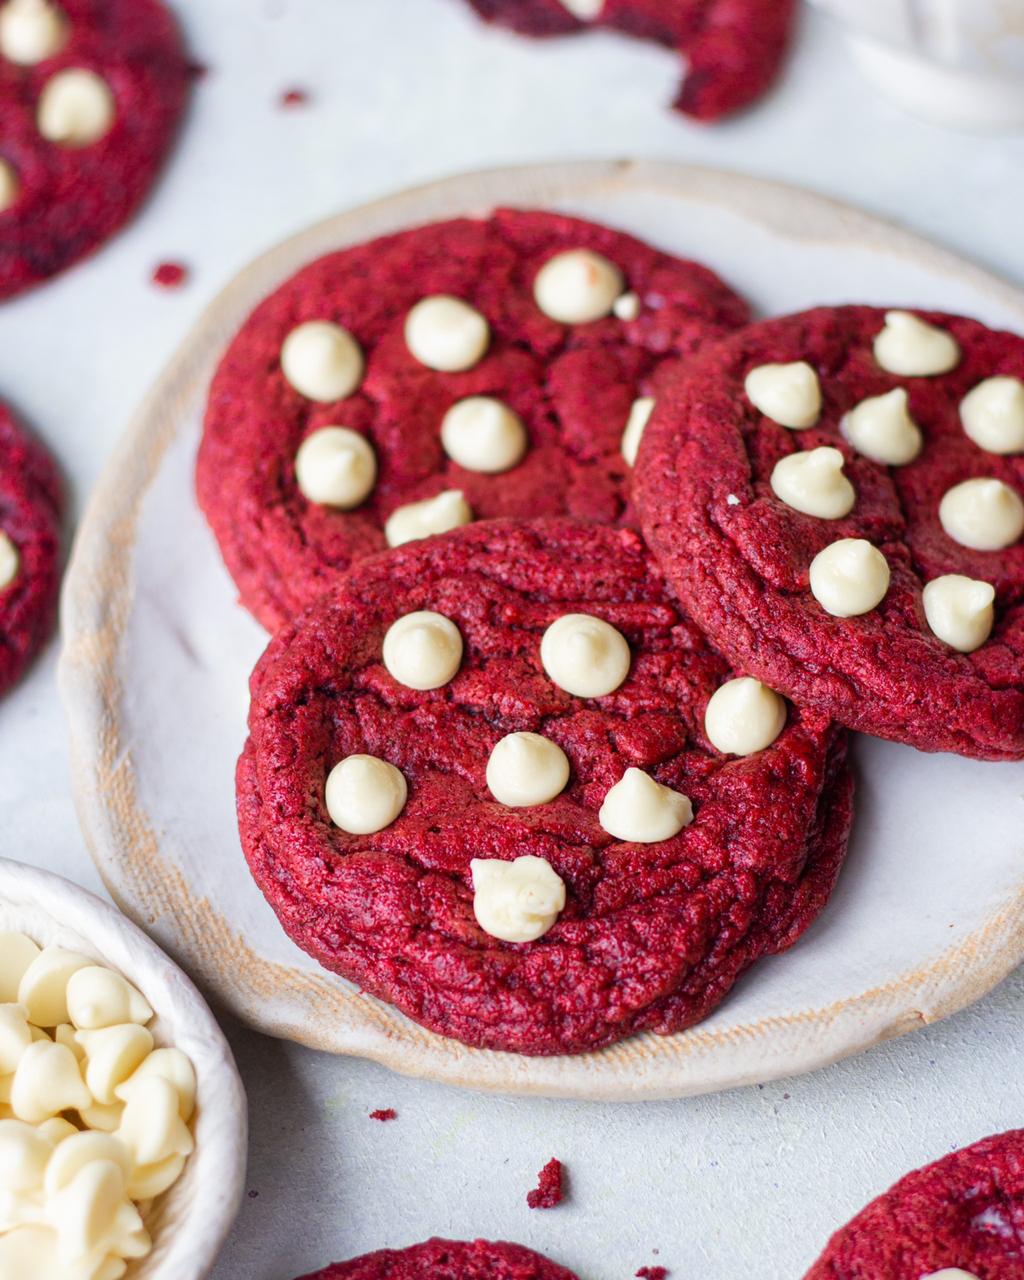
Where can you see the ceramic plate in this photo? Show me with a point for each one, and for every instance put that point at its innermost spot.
(929, 913)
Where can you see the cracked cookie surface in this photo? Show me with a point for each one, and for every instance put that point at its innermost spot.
(652, 936)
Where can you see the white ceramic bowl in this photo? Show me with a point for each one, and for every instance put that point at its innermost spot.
(958, 62)
(190, 1221)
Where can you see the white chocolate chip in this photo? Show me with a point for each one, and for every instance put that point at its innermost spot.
(10, 561)
(525, 769)
(112, 1054)
(639, 415)
(43, 986)
(743, 716)
(99, 997)
(984, 514)
(47, 1082)
(10, 187)
(789, 394)
(447, 511)
(577, 286)
(24, 1153)
(150, 1180)
(446, 334)
(322, 361)
(585, 655)
(15, 1036)
(813, 482)
(106, 1117)
(516, 901)
(882, 429)
(641, 810)
(91, 1213)
(74, 1153)
(152, 1128)
(31, 31)
(336, 467)
(959, 610)
(849, 577)
(584, 10)
(76, 108)
(950, 1273)
(422, 650)
(65, 1034)
(56, 1129)
(364, 794)
(16, 954)
(913, 348)
(993, 415)
(481, 433)
(169, 1064)
(626, 305)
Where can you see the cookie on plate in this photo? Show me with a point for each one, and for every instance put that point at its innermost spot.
(481, 782)
(91, 93)
(734, 49)
(447, 1260)
(463, 370)
(957, 1219)
(30, 511)
(838, 497)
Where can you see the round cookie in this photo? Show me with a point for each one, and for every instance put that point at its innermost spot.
(30, 510)
(734, 49)
(882, 617)
(522, 923)
(447, 1260)
(569, 386)
(952, 1220)
(91, 93)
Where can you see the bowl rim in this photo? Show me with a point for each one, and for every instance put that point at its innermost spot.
(215, 1172)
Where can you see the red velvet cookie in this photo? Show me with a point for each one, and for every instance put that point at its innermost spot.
(734, 49)
(521, 414)
(447, 1260)
(91, 92)
(589, 936)
(964, 1211)
(881, 617)
(30, 508)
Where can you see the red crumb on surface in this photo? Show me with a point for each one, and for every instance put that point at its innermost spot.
(388, 1113)
(170, 275)
(550, 1188)
(652, 1273)
(294, 98)
(197, 70)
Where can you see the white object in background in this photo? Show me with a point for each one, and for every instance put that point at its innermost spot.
(957, 62)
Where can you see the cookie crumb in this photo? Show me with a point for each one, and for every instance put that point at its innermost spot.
(197, 70)
(388, 1114)
(294, 98)
(652, 1273)
(170, 275)
(550, 1190)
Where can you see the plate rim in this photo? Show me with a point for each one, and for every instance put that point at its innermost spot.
(96, 601)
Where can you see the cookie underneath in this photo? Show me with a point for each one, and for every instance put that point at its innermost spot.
(447, 1260)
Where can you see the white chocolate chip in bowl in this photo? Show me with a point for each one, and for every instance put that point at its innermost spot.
(10, 187)
(639, 809)
(422, 650)
(336, 467)
(322, 361)
(639, 415)
(882, 429)
(448, 510)
(813, 482)
(526, 769)
(744, 716)
(992, 414)
(446, 333)
(578, 286)
(789, 394)
(190, 1220)
(959, 610)
(31, 31)
(516, 901)
(584, 655)
(913, 348)
(483, 434)
(984, 514)
(849, 577)
(76, 108)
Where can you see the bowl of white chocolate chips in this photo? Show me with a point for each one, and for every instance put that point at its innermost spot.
(122, 1116)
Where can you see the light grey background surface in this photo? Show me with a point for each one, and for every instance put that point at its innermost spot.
(740, 1185)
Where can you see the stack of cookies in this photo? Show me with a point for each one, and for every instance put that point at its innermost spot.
(578, 579)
